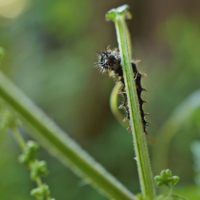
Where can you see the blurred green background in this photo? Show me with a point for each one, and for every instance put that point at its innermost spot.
(50, 50)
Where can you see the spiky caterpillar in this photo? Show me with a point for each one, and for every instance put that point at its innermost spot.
(109, 60)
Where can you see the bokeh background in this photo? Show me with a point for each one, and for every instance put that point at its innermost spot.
(50, 50)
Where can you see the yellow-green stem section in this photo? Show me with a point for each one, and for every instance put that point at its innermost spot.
(19, 138)
(140, 146)
(114, 105)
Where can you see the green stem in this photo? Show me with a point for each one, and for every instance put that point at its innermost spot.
(170, 190)
(179, 117)
(169, 193)
(58, 143)
(145, 174)
(179, 196)
(38, 181)
(19, 138)
(114, 105)
(22, 144)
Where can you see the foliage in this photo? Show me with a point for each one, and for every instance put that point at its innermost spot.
(9, 120)
(166, 178)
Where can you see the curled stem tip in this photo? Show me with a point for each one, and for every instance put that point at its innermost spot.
(121, 10)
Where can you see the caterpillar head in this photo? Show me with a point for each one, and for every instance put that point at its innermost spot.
(108, 60)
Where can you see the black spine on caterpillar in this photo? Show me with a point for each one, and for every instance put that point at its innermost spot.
(139, 89)
(109, 60)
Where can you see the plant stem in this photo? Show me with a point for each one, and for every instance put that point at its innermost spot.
(56, 141)
(146, 179)
(179, 196)
(38, 181)
(22, 144)
(168, 196)
(179, 117)
(19, 138)
(114, 105)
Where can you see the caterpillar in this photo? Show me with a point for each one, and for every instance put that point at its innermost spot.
(110, 61)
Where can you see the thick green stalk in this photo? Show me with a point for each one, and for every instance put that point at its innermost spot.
(145, 174)
(56, 141)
